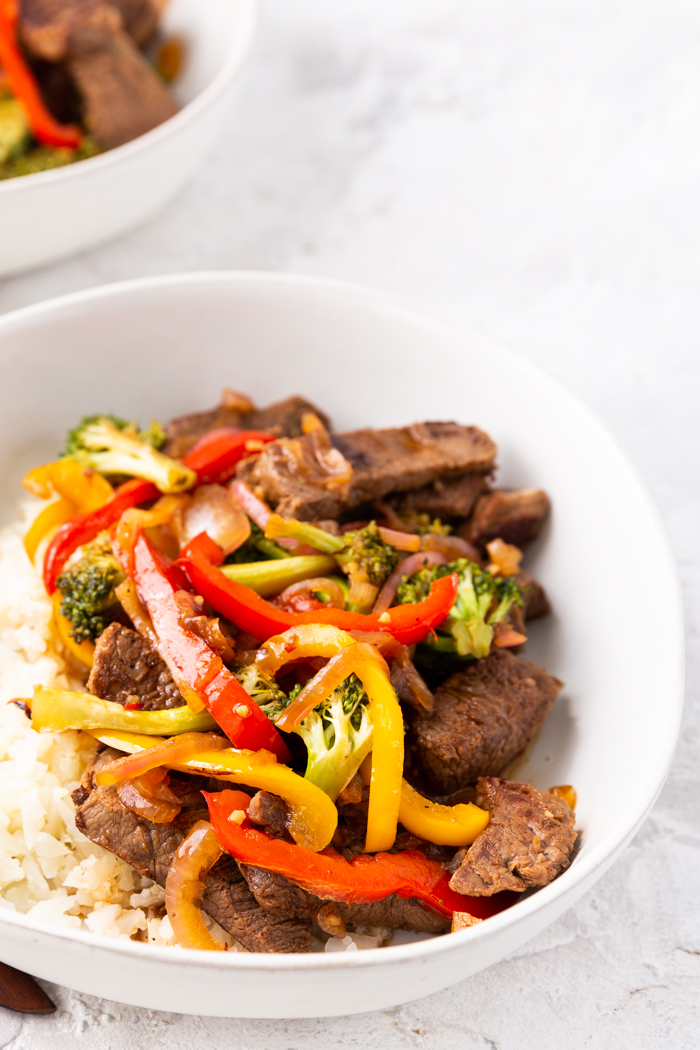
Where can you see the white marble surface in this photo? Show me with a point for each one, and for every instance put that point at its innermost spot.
(532, 169)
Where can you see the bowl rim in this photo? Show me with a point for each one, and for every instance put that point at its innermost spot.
(585, 871)
(241, 47)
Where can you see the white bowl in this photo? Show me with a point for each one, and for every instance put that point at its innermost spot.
(52, 214)
(167, 345)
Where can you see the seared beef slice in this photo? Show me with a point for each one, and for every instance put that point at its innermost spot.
(150, 849)
(483, 716)
(123, 97)
(443, 499)
(282, 419)
(382, 461)
(527, 843)
(281, 897)
(127, 667)
(514, 516)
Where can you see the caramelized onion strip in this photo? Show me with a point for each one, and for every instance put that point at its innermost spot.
(150, 797)
(176, 749)
(336, 598)
(185, 887)
(408, 566)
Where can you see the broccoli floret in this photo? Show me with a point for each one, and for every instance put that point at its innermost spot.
(87, 588)
(366, 555)
(153, 435)
(482, 601)
(256, 548)
(420, 522)
(362, 554)
(111, 445)
(338, 736)
(263, 689)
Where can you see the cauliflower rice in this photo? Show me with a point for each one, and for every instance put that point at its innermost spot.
(49, 870)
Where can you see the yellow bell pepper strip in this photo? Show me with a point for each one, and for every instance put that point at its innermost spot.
(409, 623)
(387, 747)
(191, 660)
(54, 709)
(270, 577)
(443, 825)
(162, 753)
(85, 488)
(84, 652)
(313, 817)
(50, 518)
(409, 874)
(185, 887)
(567, 792)
(300, 643)
(80, 491)
(131, 743)
(387, 750)
(85, 527)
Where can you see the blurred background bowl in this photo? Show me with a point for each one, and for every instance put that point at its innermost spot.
(52, 214)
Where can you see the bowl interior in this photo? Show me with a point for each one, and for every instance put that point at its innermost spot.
(161, 347)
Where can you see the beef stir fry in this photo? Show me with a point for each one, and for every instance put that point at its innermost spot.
(302, 657)
(75, 80)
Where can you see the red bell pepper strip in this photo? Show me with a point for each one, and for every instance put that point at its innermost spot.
(215, 455)
(85, 527)
(408, 623)
(193, 660)
(45, 128)
(328, 875)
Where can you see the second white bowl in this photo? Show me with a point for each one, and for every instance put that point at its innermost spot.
(52, 214)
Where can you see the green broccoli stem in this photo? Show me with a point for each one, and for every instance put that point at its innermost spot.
(332, 777)
(271, 577)
(270, 549)
(305, 533)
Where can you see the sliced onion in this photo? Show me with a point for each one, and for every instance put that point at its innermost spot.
(192, 618)
(336, 598)
(362, 594)
(452, 546)
(338, 668)
(259, 512)
(381, 640)
(135, 610)
(504, 636)
(402, 541)
(212, 510)
(330, 919)
(185, 887)
(175, 749)
(505, 558)
(406, 568)
(150, 796)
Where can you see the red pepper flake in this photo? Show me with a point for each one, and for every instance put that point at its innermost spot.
(133, 707)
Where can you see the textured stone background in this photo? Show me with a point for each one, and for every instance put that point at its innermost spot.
(533, 170)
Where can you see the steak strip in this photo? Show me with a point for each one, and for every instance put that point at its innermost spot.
(483, 717)
(123, 97)
(127, 669)
(527, 843)
(515, 516)
(283, 419)
(382, 461)
(281, 897)
(150, 849)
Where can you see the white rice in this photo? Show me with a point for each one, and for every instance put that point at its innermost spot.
(48, 869)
